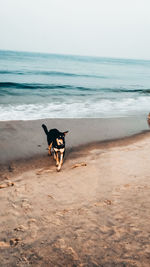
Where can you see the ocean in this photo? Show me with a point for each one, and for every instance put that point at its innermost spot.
(38, 85)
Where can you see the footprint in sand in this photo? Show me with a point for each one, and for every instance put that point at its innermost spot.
(25, 205)
(102, 203)
(26, 232)
(61, 244)
(12, 242)
(32, 227)
(53, 220)
(43, 171)
(21, 228)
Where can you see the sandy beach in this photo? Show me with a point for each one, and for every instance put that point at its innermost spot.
(95, 212)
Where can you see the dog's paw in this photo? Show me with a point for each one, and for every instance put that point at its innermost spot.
(58, 168)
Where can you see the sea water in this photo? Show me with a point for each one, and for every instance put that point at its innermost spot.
(36, 85)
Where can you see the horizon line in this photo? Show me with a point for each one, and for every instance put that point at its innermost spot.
(74, 55)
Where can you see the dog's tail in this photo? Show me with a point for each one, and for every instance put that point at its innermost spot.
(45, 129)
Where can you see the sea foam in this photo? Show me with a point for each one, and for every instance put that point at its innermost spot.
(35, 86)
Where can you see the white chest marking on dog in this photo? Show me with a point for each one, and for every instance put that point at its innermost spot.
(61, 150)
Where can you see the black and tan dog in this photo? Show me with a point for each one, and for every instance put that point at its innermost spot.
(56, 141)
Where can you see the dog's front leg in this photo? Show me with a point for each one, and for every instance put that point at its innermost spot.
(57, 159)
(61, 162)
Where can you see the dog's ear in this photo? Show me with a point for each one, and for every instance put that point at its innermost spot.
(65, 132)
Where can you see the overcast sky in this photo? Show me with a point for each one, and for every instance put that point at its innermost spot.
(115, 28)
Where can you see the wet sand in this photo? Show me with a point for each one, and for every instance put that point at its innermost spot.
(26, 139)
(97, 214)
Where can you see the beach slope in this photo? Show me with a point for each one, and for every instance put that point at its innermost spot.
(95, 212)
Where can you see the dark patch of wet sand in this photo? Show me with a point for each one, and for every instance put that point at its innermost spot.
(26, 139)
(23, 144)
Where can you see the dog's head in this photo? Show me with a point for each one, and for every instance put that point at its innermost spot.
(61, 138)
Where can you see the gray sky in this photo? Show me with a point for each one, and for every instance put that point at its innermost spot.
(116, 28)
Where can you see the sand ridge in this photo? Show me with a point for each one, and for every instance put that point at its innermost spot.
(96, 214)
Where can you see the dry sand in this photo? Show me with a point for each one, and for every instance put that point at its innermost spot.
(97, 214)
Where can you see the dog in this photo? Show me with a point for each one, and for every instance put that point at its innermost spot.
(56, 141)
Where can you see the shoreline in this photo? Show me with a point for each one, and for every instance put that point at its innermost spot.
(34, 154)
(26, 139)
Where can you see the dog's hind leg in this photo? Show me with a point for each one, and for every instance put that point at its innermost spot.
(49, 149)
(54, 155)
